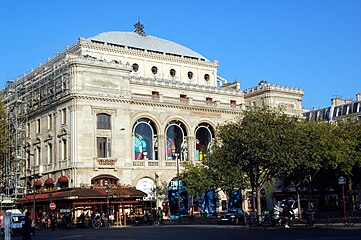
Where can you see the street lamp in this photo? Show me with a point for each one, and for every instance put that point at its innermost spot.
(34, 211)
(178, 187)
(33, 188)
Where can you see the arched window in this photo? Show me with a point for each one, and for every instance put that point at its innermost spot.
(176, 145)
(103, 121)
(145, 140)
(204, 140)
(104, 180)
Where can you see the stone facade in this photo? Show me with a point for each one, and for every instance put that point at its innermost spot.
(83, 111)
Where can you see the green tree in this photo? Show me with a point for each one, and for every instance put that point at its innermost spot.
(311, 149)
(257, 147)
(196, 178)
(347, 160)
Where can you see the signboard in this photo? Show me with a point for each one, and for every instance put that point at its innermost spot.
(52, 206)
(341, 180)
(148, 186)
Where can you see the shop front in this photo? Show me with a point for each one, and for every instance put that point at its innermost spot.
(117, 202)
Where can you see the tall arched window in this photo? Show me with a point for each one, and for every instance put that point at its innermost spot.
(145, 140)
(204, 140)
(103, 121)
(176, 145)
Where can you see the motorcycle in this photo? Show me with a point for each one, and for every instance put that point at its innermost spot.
(276, 216)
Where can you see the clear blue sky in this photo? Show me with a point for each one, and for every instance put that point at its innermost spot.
(310, 44)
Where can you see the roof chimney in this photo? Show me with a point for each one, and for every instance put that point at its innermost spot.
(358, 96)
(336, 101)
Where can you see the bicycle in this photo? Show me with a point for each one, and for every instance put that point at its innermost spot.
(155, 222)
(97, 223)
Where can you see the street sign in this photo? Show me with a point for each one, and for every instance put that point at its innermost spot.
(52, 206)
(341, 180)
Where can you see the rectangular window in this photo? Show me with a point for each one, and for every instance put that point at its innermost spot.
(103, 147)
(50, 153)
(64, 150)
(155, 93)
(354, 108)
(50, 122)
(344, 110)
(339, 111)
(38, 126)
(63, 116)
(28, 130)
(209, 99)
(183, 96)
(233, 102)
(37, 155)
(103, 121)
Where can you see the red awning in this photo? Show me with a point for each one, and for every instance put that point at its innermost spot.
(49, 181)
(38, 183)
(63, 179)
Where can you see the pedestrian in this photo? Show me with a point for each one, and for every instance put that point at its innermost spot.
(311, 214)
(26, 224)
(46, 221)
(53, 221)
(160, 215)
(287, 213)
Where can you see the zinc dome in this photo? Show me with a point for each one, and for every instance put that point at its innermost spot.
(146, 42)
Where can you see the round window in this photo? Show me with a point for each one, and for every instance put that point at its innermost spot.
(135, 67)
(207, 77)
(190, 75)
(154, 70)
(172, 73)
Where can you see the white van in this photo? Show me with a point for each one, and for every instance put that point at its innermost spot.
(16, 224)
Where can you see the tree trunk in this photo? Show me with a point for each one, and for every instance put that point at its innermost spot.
(259, 209)
(299, 205)
(350, 197)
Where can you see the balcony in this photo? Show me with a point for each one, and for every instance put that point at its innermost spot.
(145, 163)
(105, 162)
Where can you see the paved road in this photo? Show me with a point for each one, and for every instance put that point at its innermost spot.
(199, 232)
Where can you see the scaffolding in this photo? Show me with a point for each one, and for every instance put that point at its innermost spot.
(27, 98)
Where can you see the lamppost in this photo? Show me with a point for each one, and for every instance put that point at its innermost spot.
(33, 188)
(34, 211)
(178, 186)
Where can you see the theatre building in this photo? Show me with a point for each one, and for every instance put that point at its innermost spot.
(123, 109)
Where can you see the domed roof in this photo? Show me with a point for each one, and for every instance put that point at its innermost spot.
(147, 42)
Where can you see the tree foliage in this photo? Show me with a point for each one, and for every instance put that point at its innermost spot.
(266, 144)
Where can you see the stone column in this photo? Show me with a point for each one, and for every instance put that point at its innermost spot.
(161, 150)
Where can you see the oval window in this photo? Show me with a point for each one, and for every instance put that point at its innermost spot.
(154, 70)
(172, 73)
(135, 67)
(190, 75)
(207, 77)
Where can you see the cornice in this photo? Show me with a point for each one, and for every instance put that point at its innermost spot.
(159, 82)
(272, 87)
(210, 109)
(144, 54)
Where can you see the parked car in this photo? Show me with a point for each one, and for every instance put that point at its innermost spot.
(16, 224)
(231, 216)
